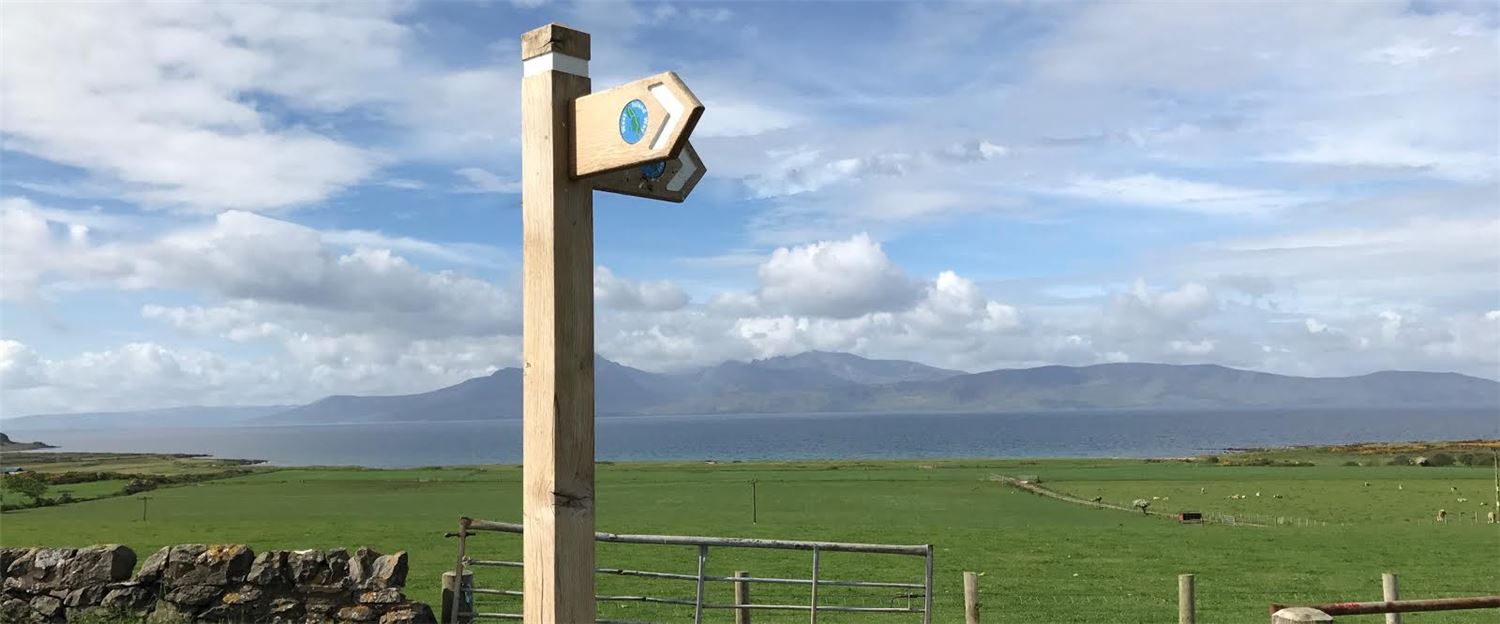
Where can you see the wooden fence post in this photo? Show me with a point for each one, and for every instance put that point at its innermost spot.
(741, 597)
(971, 598)
(1390, 593)
(1300, 615)
(1186, 603)
(465, 605)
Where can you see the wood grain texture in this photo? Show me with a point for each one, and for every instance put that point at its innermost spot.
(558, 311)
(633, 181)
(555, 37)
(597, 146)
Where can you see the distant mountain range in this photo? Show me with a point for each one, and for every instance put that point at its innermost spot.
(840, 382)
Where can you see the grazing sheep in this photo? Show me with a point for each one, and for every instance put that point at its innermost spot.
(1156, 498)
(1399, 488)
(1367, 484)
(1490, 517)
(1442, 516)
(1257, 494)
(1463, 500)
(1278, 496)
(1141, 504)
(1453, 488)
(1202, 490)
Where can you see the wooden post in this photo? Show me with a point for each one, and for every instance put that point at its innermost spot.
(463, 612)
(741, 597)
(971, 598)
(1187, 612)
(815, 573)
(754, 503)
(459, 572)
(558, 325)
(1300, 615)
(1389, 592)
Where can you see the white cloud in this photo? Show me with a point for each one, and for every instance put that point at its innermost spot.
(19, 366)
(156, 97)
(841, 279)
(481, 181)
(1152, 191)
(625, 294)
(242, 256)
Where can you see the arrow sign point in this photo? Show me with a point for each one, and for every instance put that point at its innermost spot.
(661, 112)
(670, 180)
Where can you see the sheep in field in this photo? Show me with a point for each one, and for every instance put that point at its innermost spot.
(1141, 504)
(1490, 517)
(1442, 516)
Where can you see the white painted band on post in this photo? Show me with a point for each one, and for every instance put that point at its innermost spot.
(555, 61)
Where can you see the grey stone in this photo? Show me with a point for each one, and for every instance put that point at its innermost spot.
(410, 613)
(14, 610)
(286, 607)
(321, 606)
(89, 596)
(47, 606)
(129, 598)
(169, 613)
(356, 613)
(171, 563)
(152, 568)
(216, 565)
(389, 571)
(39, 572)
(194, 595)
(97, 565)
(246, 594)
(17, 565)
(268, 568)
(9, 556)
(338, 563)
(307, 566)
(362, 565)
(389, 595)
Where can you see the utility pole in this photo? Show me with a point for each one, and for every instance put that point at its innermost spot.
(145, 500)
(631, 139)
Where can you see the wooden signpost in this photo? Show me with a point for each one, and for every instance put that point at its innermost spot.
(632, 139)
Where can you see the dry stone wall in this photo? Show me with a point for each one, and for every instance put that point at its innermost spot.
(206, 583)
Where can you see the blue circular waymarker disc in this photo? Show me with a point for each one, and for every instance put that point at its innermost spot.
(654, 170)
(633, 122)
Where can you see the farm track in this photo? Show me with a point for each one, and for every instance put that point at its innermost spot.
(1049, 493)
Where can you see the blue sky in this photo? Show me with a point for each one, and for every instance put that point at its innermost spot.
(237, 203)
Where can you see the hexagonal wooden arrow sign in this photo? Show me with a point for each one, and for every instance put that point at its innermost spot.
(671, 180)
(637, 123)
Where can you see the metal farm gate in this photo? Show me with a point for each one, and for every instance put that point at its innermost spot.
(922, 591)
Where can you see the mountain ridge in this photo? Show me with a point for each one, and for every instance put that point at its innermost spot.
(818, 381)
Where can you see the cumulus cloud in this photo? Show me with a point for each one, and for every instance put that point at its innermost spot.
(625, 294)
(246, 257)
(841, 279)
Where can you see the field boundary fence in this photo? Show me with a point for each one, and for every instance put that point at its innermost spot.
(459, 606)
(1032, 485)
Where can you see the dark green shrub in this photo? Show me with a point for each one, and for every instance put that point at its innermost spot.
(1400, 460)
(1440, 459)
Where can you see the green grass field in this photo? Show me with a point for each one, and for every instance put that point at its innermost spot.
(1043, 560)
